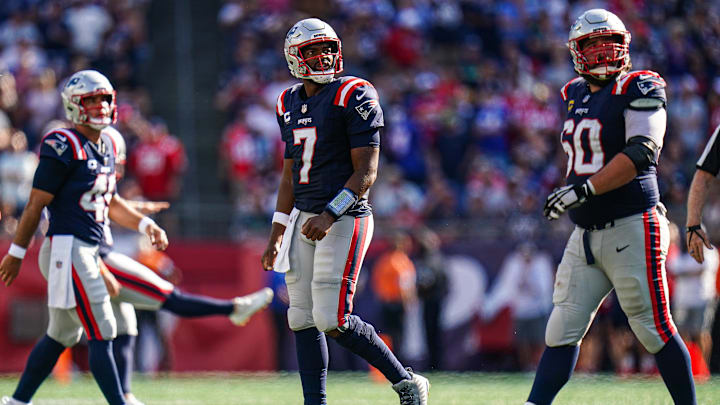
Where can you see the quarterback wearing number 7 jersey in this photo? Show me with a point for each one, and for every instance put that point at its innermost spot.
(323, 224)
(613, 135)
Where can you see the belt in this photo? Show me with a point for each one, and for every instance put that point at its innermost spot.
(589, 258)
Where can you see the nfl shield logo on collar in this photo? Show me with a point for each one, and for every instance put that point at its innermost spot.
(58, 264)
(303, 109)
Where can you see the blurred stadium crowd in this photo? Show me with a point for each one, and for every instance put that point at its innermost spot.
(470, 91)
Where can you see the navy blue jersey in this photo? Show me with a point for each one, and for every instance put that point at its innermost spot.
(80, 205)
(319, 132)
(594, 132)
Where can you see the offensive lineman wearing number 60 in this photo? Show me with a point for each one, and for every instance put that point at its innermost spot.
(323, 223)
(613, 135)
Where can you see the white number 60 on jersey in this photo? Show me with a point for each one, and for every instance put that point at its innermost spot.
(575, 150)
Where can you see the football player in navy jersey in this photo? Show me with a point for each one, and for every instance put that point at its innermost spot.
(75, 180)
(613, 135)
(323, 223)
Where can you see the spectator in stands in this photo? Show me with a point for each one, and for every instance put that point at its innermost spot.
(393, 281)
(157, 162)
(17, 167)
(432, 286)
(525, 284)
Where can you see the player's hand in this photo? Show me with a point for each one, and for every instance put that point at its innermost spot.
(270, 254)
(9, 269)
(696, 239)
(318, 226)
(157, 236)
(111, 283)
(565, 198)
(152, 207)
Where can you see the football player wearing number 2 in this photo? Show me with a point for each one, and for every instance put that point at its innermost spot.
(323, 223)
(613, 135)
(75, 180)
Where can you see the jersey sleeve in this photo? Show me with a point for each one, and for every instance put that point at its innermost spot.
(50, 174)
(58, 146)
(710, 159)
(362, 111)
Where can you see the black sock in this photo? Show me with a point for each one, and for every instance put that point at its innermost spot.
(555, 368)
(40, 363)
(124, 352)
(312, 355)
(104, 370)
(361, 339)
(673, 362)
(189, 305)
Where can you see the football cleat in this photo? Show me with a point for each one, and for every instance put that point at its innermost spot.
(130, 399)
(246, 306)
(414, 391)
(12, 401)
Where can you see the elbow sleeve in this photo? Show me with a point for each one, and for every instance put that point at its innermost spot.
(642, 151)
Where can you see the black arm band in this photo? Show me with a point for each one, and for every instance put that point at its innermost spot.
(50, 175)
(642, 151)
(342, 202)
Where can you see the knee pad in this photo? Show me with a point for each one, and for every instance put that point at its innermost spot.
(325, 321)
(299, 319)
(561, 330)
(67, 338)
(125, 318)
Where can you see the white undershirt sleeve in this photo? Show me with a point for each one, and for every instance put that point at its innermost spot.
(647, 123)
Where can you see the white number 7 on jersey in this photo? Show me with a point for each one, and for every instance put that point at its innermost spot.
(309, 135)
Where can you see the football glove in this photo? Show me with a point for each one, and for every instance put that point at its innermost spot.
(565, 198)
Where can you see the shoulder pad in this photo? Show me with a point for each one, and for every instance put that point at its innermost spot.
(566, 87)
(280, 109)
(118, 143)
(61, 140)
(348, 85)
(645, 80)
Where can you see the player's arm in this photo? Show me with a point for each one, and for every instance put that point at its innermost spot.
(124, 215)
(365, 164)
(645, 121)
(148, 207)
(10, 265)
(49, 178)
(695, 236)
(283, 206)
(708, 167)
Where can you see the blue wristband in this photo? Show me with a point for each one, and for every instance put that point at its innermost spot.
(342, 202)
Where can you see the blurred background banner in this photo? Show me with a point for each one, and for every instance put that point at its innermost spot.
(470, 91)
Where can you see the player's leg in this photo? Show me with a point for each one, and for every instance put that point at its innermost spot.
(46, 352)
(337, 263)
(638, 274)
(310, 343)
(579, 290)
(124, 346)
(95, 313)
(143, 288)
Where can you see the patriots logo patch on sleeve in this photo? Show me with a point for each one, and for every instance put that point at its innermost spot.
(57, 146)
(646, 84)
(366, 108)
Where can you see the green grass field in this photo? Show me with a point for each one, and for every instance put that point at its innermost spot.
(357, 389)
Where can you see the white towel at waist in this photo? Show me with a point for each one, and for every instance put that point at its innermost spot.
(60, 289)
(282, 262)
